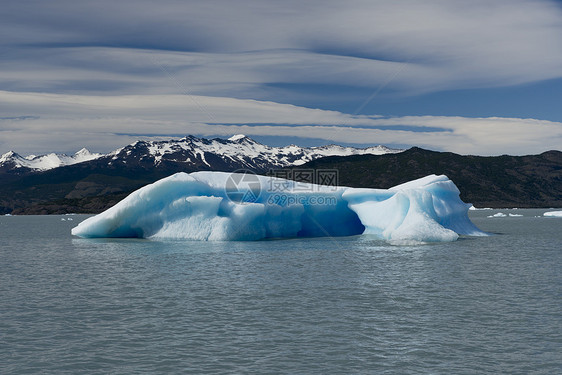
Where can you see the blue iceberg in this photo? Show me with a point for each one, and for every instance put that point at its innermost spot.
(229, 206)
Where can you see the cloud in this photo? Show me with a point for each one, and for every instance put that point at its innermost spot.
(103, 123)
(90, 70)
(219, 49)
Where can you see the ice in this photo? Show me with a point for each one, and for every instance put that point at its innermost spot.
(227, 206)
(553, 214)
(499, 214)
(427, 209)
(472, 208)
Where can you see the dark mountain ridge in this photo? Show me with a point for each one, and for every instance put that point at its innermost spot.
(486, 181)
(92, 186)
(60, 184)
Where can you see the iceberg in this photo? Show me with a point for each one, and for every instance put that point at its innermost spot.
(242, 206)
(499, 214)
(553, 214)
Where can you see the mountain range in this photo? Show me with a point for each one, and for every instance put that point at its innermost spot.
(238, 152)
(89, 181)
(12, 162)
(486, 181)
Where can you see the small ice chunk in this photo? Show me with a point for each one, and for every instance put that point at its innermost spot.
(499, 214)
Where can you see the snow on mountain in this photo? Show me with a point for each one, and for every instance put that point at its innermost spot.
(238, 151)
(45, 162)
(236, 137)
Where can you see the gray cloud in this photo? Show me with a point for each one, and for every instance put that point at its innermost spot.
(445, 45)
(103, 123)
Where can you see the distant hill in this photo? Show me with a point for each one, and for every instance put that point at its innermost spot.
(99, 181)
(13, 163)
(499, 181)
(89, 183)
(190, 152)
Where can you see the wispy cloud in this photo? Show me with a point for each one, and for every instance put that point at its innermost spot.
(223, 50)
(103, 123)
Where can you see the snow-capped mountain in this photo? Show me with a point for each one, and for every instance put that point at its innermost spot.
(12, 160)
(236, 152)
(192, 153)
(95, 185)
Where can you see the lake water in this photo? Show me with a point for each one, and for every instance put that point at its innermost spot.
(355, 305)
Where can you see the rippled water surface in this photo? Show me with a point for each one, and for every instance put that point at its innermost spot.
(316, 306)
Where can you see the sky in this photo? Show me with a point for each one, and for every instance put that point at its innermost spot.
(478, 77)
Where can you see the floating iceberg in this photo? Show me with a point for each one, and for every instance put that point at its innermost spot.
(499, 214)
(472, 208)
(553, 214)
(230, 206)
